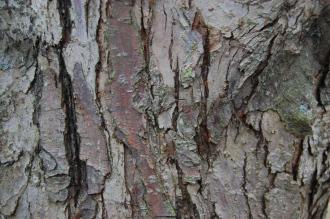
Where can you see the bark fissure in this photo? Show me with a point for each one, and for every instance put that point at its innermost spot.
(98, 70)
(185, 206)
(164, 109)
(312, 191)
(259, 70)
(296, 158)
(175, 114)
(165, 14)
(36, 87)
(244, 186)
(86, 6)
(202, 136)
(71, 136)
(145, 35)
(319, 80)
(170, 48)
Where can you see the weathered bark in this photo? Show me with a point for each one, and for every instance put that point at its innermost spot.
(164, 108)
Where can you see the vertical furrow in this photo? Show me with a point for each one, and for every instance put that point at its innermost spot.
(71, 137)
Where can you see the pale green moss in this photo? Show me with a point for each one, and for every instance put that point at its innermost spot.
(188, 73)
(112, 75)
(297, 121)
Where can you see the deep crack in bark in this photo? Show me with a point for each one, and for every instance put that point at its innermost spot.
(98, 70)
(185, 206)
(245, 191)
(202, 136)
(71, 136)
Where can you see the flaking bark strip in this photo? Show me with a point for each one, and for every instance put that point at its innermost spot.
(99, 69)
(259, 70)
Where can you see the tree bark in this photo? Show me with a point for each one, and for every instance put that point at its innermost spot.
(164, 108)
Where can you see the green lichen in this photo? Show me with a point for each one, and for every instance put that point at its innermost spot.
(191, 179)
(187, 77)
(112, 75)
(251, 22)
(188, 73)
(194, 47)
(140, 48)
(297, 122)
(170, 207)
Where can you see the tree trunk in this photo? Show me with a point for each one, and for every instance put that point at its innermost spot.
(164, 108)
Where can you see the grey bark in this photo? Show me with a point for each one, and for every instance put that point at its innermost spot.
(164, 109)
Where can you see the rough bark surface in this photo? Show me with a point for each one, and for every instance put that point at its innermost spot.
(164, 108)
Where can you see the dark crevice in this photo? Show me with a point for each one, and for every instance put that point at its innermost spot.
(36, 87)
(244, 185)
(86, 6)
(170, 53)
(319, 80)
(312, 191)
(128, 152)
(202, 137)
(296, 158)
(271, 179)
(145, 37)
(319, 35)
(213, 212)
(264, 205)
(190, 3)
(104, 209)
(98, 70)
(176, 71)
(261, 142)
(165, 14)
(175, 114)
(309, 148)
(269, 25)
(266, 151)
(71, 136)
(37, 90)
(185, 208)
(257, 132)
